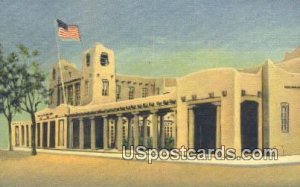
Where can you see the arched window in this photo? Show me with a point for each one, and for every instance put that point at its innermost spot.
(88, 59)
(104, 59)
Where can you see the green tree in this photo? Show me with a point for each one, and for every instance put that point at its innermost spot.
(33, 89)
(10, 84)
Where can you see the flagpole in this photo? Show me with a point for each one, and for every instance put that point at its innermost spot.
(59, 64)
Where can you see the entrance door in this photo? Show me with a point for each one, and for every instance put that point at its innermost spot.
(45, 134)
(99, 132)
(249, 125)
(52, 134)
(76, 134)
(205, 126)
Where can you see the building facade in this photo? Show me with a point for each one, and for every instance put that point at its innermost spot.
(251, 108)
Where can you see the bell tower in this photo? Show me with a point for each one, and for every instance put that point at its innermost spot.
(98, 75)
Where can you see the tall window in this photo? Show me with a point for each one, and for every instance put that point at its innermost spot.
(145, 92)
(131, 93)
(53, 74)
(118, 91)
(284, 117)
(88, 59)
(77, 94)
(112, 135)
(70, 95)
(86, 88)
(104, 59)
(105, 87)
(124, 133)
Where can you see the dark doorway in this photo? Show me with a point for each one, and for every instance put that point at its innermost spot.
(99, 133)
(45, 134)
(76, 134)
(52, 134)
(87, 133)
(205, 126)
(22, 131)
(249, 125)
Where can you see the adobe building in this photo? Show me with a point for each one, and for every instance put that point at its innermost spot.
(101, 110)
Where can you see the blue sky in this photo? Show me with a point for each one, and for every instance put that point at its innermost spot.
(156, 37)
(168, 38)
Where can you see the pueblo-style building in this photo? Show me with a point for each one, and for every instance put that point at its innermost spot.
(101, 110)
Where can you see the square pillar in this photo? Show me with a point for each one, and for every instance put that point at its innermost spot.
(41, 134)
(162, 131)
(191, 119)
(130, 137)
(105, 132)
(81, 134)
(145, 137)
(25, 135)
(71, 134)
(119, 123)
(174, 131)
(218, 126)
(136, 130)
(154, 129)
(93, 133)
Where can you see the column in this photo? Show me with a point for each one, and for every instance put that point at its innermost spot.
(29, 135)
(136, 130)
(174, 130)
(41, 134)
(25, 135)
(81, 134)
(119, 132)
(105, 132)
(93, 133)
(130, 138)
(71, 134)
(145, 137)
(218, 126)
(191, 116)
(154, 129)
(260, 128)
(162, 131)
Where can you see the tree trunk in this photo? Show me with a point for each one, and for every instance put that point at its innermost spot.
(10, 147)
(33, 127)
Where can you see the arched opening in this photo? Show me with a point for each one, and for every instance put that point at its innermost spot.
(205, 126)
(249, 125)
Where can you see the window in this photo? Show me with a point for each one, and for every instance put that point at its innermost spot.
(53, 74)
(118, 91)
(112, 135)
(284, 117)
(131, 93)
(58, 96)
(86, 88)
(88, 59)
(77, 94)
(124, 132)
(105, 87)
(157, 91)
(70, 95)
(145, 92)
(104, 59)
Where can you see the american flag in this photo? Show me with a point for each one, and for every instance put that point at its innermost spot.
(67, 31)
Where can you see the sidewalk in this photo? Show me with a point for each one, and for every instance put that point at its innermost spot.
(282, 160)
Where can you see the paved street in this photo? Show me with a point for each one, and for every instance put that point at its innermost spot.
(21, 169)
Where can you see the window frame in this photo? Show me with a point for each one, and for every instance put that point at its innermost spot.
(284, 113)
(105, 89)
